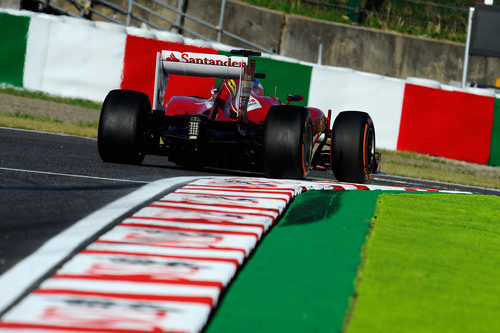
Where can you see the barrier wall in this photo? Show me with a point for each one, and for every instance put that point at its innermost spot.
(76, 58)
(342, 89)
(494, 158)
(139, 69)
(285, 77)
(83, 61)
(13, 48)
(450, 124)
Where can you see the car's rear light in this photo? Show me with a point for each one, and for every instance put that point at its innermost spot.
(194, 127)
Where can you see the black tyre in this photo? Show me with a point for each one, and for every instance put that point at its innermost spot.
(352, 151)
(122, 129)
(287, 142)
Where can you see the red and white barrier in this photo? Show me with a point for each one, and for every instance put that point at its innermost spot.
(77, 58)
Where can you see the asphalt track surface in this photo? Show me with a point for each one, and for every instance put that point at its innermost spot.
(50, 181)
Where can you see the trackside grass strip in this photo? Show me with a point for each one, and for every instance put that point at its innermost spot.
(30, 122)
(302, 275)
(46, 97)
(431, 264)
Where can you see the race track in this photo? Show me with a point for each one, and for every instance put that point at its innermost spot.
(50, 181)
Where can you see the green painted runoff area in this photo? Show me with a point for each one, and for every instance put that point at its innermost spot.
(431, 264)
(13, 48)
(302, 275)
(287, 77)
(494, 158)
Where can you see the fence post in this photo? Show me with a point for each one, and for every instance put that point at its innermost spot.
(320, 53)
(180, 12)
(353, 10)
(221, 20)
(467, 46)
(129, 11)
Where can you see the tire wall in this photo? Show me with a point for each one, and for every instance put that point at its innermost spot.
(80, 59)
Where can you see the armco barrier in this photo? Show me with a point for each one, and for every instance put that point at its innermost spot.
(77, 58)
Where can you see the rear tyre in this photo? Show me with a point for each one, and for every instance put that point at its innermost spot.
(287, 142)
(352, 150)
(122, 132)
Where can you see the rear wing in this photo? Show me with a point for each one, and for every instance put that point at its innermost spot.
(204, 65)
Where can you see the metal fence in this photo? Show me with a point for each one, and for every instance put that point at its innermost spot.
(126, 12)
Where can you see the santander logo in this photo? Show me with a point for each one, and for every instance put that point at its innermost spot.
(172, 57)
(204, 59)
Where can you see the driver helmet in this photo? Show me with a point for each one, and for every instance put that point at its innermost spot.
(258, 89)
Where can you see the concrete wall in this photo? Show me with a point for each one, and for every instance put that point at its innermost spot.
(262, 27)
(381, 52)
(375, 51)
(14, 4)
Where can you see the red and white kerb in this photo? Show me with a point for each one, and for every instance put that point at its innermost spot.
(164, 267)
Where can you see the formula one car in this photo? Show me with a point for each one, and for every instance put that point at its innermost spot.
(237, 127)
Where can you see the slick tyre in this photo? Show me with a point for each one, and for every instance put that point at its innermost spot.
(352, 149)
(122, 131)
(288, 137)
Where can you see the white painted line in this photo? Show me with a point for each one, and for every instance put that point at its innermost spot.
(74, 176)
(389, 180)
(22, 276)
(44, 132)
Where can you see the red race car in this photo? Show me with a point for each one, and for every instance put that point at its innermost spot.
(238, 127)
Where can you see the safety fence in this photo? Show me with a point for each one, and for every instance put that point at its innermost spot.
(414, 114)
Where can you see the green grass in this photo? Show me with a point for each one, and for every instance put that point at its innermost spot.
(39, 95)
(394, 15)
(430, 264)
(38, 123)
(415, 165)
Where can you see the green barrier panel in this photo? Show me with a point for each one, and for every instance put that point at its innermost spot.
(494, 158)
(13, 48)
(432, 264)
(302, 275)
(284, 77)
